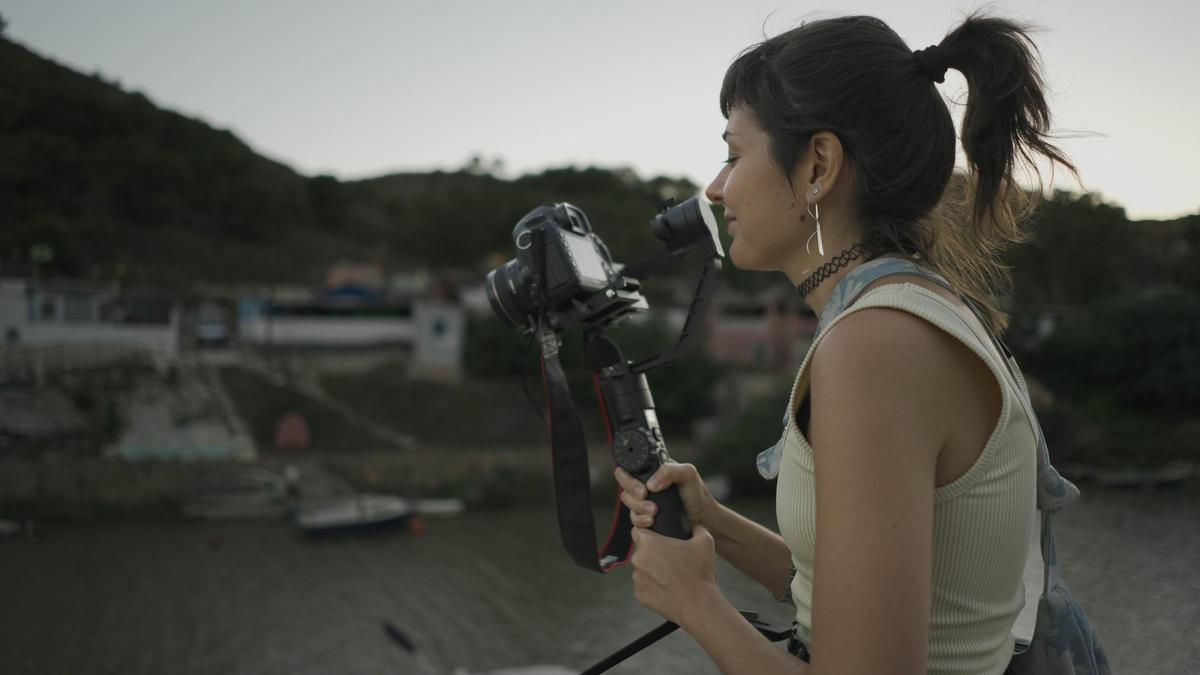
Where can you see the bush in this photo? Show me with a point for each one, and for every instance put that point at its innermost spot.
(1127, 379)
(1140, 351)
(734, 448)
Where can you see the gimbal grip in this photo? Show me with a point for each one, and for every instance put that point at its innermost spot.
(670, 519)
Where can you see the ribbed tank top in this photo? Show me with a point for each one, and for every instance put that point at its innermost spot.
(982, 521)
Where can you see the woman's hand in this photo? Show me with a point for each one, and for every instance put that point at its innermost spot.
(674, 577)
(697, 500)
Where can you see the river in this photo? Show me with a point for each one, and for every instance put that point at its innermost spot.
(485, 590)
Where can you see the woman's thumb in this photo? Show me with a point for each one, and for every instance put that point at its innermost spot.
(666, 476)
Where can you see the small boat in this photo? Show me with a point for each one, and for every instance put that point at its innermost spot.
(353, 513)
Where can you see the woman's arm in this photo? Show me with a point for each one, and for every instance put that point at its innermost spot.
(676, 578)
(882, 405)
(734, 645)
(755, 550)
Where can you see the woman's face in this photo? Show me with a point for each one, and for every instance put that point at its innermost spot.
(764, 216)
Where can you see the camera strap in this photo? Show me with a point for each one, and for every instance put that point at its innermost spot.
(572, 479)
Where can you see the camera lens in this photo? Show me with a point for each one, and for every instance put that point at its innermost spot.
(683, 225)
(508, 296)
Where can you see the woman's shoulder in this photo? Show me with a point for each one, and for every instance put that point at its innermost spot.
(881, 352)
(883, 339)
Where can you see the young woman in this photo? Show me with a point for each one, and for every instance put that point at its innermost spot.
(905, 491)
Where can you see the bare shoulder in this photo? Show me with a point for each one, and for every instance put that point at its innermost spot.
(884, 338)
(888, 373)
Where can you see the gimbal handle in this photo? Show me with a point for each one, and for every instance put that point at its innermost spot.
(637, 445)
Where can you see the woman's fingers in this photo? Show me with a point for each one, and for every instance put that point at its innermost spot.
(629, 484)
(641, 506)
(666, 476)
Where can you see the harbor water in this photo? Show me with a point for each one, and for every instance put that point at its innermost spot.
(485, 590)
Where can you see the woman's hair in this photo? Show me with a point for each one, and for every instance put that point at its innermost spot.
(855, 77)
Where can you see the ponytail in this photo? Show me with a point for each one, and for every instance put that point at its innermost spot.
(1006, 126)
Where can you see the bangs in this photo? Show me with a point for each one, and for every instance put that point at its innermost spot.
(744, 79)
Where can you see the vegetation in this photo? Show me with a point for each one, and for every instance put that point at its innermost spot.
(1136, 391)
(735, 447)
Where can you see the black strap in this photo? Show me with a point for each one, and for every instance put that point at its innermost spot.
(572, 483)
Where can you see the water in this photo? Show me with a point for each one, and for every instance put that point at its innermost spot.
(485, 590)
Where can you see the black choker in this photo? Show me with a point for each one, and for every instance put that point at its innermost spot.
(861, 249)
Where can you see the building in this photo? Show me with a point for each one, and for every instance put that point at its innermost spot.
(85, 316)
(770, 330)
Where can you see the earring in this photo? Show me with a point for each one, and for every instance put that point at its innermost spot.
(820, 241)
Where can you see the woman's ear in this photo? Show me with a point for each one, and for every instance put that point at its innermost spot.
(824, 162)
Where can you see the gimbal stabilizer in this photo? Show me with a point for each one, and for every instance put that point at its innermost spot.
(563, 277)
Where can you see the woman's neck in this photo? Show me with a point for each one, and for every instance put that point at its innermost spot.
(817, 299)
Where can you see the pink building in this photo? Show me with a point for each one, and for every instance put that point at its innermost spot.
(769, 330)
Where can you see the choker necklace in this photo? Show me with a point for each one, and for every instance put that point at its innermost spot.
(861, 249)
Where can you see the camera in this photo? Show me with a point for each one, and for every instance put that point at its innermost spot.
(564, 269)
(563, 278)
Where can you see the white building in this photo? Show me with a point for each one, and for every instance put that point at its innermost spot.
(82, 315)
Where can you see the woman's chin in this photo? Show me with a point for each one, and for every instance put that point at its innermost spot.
(738, 256)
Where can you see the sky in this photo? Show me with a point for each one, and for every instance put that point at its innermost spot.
(362, 88)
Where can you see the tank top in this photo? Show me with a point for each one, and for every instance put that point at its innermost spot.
(983, 521)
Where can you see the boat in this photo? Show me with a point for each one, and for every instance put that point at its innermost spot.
(353, 513)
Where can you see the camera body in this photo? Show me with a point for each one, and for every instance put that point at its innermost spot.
(564, 272)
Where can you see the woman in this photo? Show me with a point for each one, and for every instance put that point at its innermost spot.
(905, 491)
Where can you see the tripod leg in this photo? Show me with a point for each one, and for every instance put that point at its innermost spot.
(632, 648)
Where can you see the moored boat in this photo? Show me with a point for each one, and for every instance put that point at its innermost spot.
(353, 513)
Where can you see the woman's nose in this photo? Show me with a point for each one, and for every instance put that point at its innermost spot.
(716, 189)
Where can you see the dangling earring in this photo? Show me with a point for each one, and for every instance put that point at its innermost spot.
(817, 217)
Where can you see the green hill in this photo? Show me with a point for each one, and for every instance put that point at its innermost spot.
(117, 186)
(114, 183)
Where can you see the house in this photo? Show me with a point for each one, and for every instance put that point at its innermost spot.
(348, 316)
(86, 316)
(771, 329)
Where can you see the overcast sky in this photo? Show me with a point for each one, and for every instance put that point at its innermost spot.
(362, 88)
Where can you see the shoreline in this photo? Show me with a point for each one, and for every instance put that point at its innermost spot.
(482, 476)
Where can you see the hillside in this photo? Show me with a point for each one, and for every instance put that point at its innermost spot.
(119, 187)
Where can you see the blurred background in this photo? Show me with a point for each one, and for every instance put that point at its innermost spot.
(242, 253)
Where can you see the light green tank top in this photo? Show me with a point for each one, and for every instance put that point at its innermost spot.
(983, 521)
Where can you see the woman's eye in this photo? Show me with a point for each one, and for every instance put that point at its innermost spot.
(730, 160)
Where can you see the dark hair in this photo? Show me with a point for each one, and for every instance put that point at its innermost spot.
(855, 77)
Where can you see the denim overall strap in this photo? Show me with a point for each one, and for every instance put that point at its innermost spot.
(856, 281)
